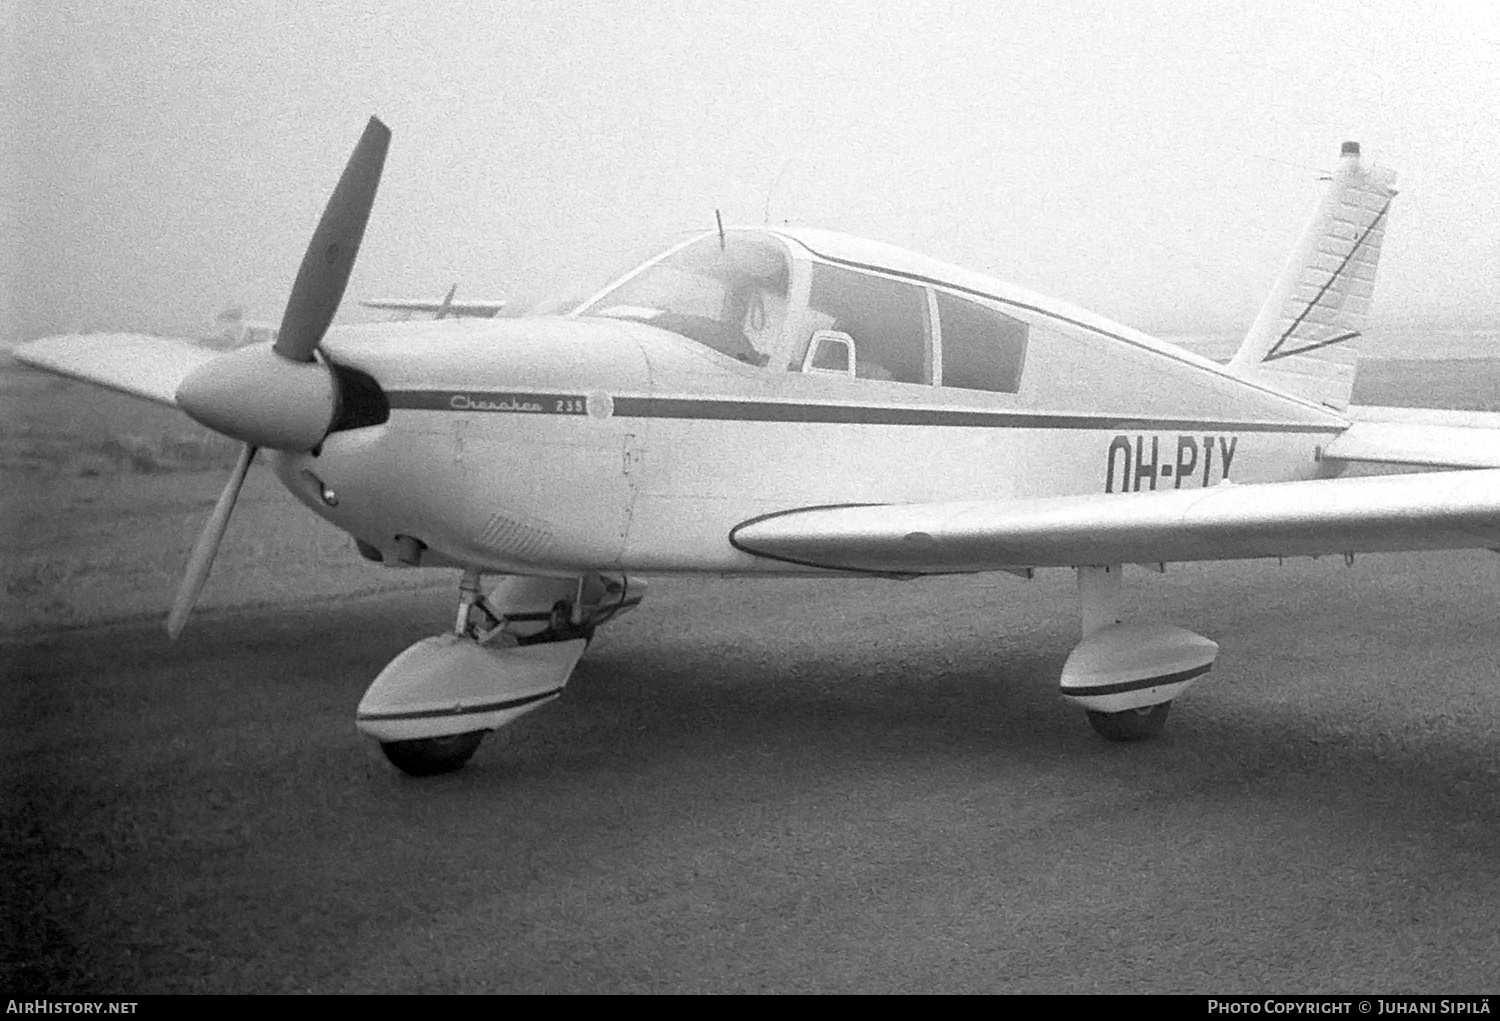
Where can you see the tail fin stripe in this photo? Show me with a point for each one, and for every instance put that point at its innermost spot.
(1351, 335)
(1353, 250)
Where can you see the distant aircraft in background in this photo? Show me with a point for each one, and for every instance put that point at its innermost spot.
(234, 330)
(439, 309)
(787, 401)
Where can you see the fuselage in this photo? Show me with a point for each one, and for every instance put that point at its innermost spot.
(638, 431)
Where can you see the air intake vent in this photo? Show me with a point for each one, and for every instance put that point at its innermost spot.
(512, 538)
(361, 401)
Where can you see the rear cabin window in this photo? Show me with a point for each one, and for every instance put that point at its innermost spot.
(982, 349)
(887, 320)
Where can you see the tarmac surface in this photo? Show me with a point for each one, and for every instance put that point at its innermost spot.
(843, 786)
(779, 786)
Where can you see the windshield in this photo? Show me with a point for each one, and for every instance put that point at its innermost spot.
(728, 294)
(562, 289)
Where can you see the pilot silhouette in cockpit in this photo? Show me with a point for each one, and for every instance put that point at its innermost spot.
(757, 305)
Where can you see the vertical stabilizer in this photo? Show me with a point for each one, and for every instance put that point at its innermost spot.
(1303, 338)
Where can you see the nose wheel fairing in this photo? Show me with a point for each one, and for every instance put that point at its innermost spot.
(450, 684)
(509, 653)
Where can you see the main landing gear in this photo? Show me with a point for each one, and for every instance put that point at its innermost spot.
(1126, 675)
(509, 653)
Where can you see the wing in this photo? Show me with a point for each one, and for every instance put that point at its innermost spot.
(149, 367)
(1448, 510)
(474, 309)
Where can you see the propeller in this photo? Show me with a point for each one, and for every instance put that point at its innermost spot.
(281, 397)
(202, 559)
(329, 258)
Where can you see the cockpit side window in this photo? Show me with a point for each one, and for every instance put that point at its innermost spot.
(982, 349)
(886, 319)
(729, 294)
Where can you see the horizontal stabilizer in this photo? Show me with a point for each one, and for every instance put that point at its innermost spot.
(1448, 510)
(132, 363)
(1431, 446)
(1430, 437)
(1425, 416)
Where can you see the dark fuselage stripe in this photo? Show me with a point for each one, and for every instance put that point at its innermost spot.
(772, 411)
(846, 414)
(488, 401)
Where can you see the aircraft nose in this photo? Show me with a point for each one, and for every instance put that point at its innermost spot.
(257, 396)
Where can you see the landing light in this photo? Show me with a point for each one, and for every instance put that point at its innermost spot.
(324, 491)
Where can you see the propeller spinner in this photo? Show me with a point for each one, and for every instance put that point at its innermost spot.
(281, 397)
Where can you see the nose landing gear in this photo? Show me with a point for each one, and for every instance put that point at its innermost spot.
(509, 653)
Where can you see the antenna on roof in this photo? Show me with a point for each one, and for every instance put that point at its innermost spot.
(720, 221)
(772, 190)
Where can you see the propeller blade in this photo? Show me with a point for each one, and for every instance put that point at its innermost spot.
(330, 254)
(202, 560)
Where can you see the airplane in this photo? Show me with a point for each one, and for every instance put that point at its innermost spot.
(758, 401)
(235, 330)
(439, 309)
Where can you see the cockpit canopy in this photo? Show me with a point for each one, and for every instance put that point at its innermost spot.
(727, 292)
(733, 292)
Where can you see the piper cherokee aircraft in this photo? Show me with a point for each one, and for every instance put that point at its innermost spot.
(236, 330)
(759, 401)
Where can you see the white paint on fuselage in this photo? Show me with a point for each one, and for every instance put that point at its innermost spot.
(704, 477)
(506, 490)
(633, 484)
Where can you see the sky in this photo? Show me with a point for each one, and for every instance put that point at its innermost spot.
(1152, 162)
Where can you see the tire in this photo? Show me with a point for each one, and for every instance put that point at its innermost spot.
(432, 756)
(1132, 724)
